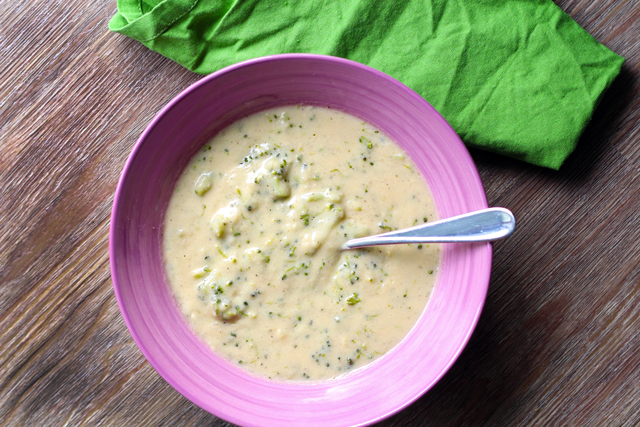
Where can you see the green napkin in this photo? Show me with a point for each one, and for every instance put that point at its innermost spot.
(516, 77)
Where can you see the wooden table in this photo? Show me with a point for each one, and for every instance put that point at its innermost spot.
(558, 342)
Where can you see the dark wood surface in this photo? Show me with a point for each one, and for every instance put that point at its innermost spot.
(558, 342)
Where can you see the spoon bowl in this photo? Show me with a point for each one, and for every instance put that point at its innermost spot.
(363, 396)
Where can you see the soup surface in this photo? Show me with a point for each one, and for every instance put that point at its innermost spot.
(253, 234)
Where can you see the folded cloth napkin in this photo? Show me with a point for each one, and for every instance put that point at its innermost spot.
(516, 77)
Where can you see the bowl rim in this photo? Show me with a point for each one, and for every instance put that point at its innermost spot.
(115, 214)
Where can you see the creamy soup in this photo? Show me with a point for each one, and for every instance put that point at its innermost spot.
(253, 234)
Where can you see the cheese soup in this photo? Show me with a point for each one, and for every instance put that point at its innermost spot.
(252, 243)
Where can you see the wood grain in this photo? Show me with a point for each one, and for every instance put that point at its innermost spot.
(558, 342)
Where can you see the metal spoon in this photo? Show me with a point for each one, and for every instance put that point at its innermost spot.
(485, 225)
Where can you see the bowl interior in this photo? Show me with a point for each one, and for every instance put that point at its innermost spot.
(366, 395)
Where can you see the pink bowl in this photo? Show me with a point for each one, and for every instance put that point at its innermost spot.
(180, 129)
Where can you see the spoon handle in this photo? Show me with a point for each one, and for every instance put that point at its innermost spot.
(485, 225)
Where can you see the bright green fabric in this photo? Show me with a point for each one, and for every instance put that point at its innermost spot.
(516, 77)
